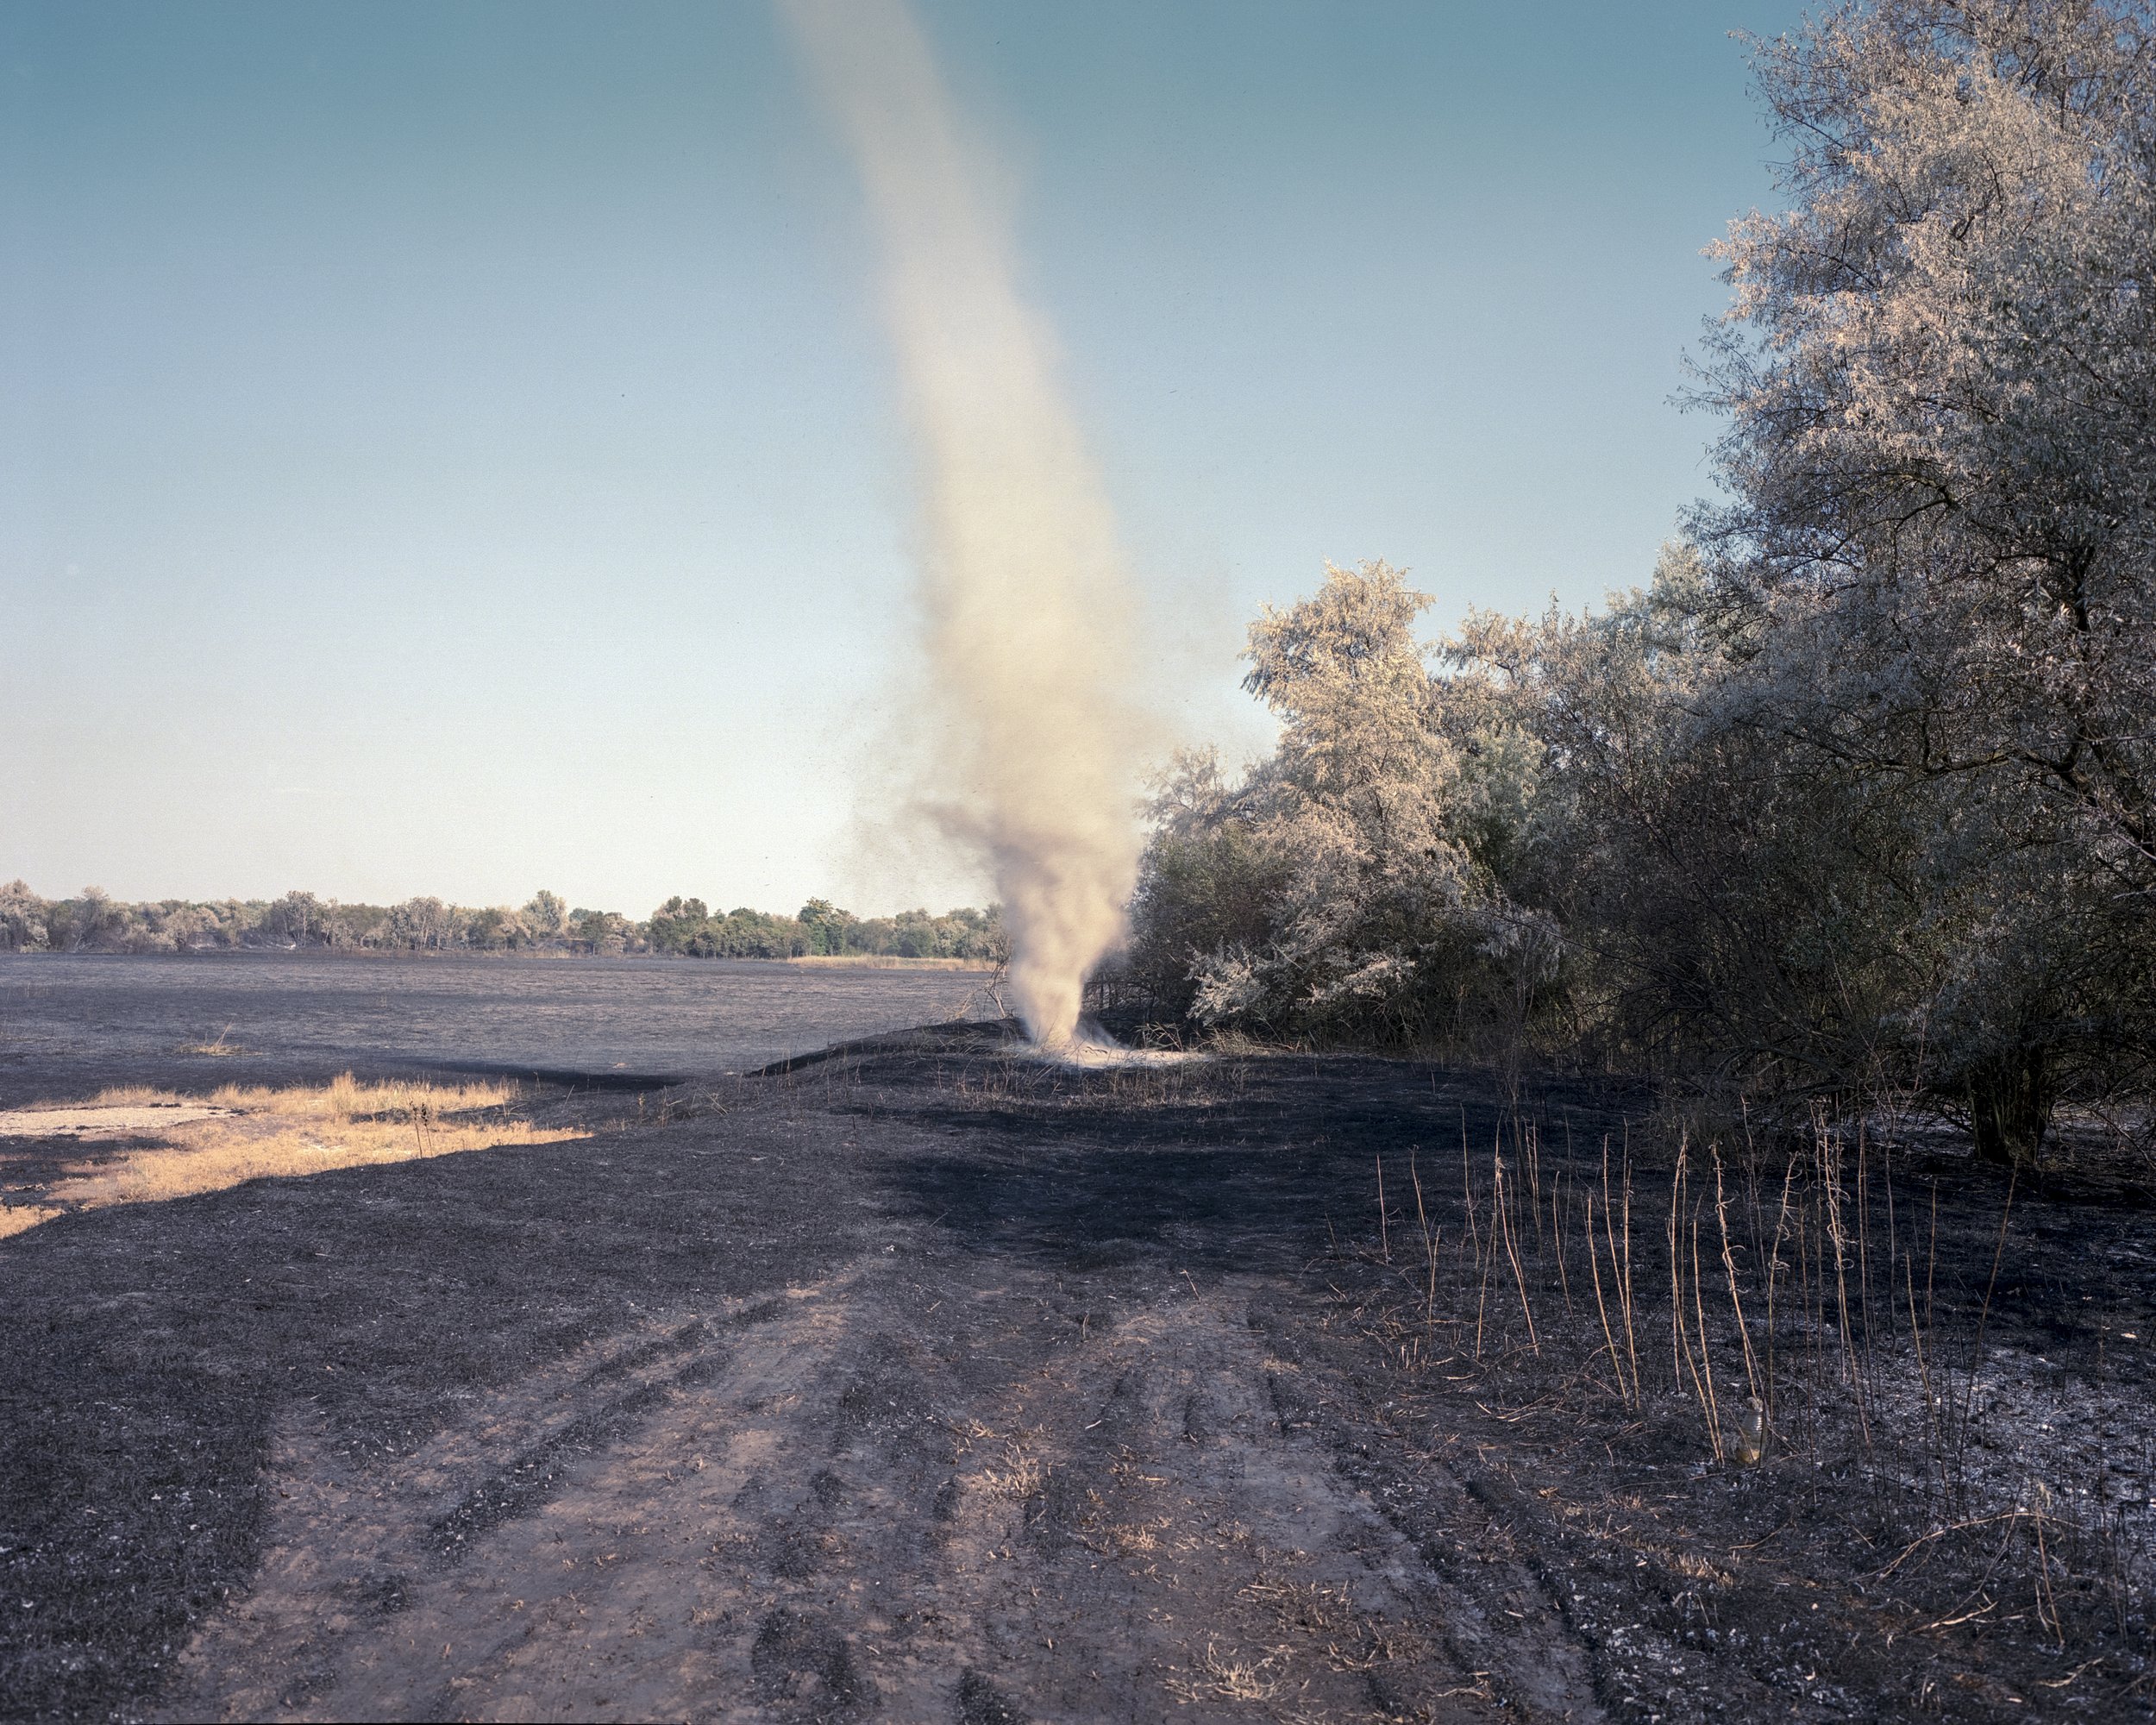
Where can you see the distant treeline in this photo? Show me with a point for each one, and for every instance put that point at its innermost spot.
(93, 921)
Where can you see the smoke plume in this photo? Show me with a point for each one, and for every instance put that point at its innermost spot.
(1025, 598)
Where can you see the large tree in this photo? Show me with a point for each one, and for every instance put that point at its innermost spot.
(1336, 889)
(1937, 563)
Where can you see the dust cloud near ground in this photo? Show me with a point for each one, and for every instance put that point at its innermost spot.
(929, 1381)
(1030, 637)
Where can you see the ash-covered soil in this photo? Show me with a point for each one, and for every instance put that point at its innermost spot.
(70, 1023)
(926, 1381)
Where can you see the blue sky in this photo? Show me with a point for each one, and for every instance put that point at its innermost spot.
(451, 448)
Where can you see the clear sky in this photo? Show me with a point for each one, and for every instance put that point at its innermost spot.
(451, 447)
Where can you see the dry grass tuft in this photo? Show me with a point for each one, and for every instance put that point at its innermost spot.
(1231, 1678)
(1308, 1606)
(1137, 1540)
(343, 1098)
(1019, 1478)
(279, 1132)
(223, 1049)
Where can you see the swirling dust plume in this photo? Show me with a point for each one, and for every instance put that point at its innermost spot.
(1027, 603)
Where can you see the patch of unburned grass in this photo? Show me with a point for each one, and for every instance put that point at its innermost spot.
(343, 1098)
(16, 1217)
(1232, 1676)
(307, 1129)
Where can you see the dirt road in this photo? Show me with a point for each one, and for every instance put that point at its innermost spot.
(921, 1488)
(962, 1473)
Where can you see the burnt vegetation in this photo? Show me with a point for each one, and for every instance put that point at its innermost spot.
(1808, 1424)
(1061, 1362)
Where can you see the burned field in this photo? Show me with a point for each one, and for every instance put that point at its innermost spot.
(73, 1023)
(925, 1380)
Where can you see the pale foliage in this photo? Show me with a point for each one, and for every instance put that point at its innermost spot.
(1939, 565)
(21, 918)
(1857, 796)
(1362, 908)
(1941, 398)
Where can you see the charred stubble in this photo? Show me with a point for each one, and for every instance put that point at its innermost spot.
(924, 1383)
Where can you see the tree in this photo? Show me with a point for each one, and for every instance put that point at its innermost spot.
(547, 914)
(1939, 558)
(1332, 891)
(88, 921)
(681, 926)
(420, 923)
(596, 931)
(496, 929)
(297, 919)
(22, 918)
(830, 929)
(1730, 905)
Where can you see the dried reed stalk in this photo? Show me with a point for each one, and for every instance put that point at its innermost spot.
(1729, 1270)
(1706, 1369)
(1384, 1240)
(1512, 1252)
(1609, 1339)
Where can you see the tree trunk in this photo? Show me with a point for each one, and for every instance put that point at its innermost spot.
(2009, 1106)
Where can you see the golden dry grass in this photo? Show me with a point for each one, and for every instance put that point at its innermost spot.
(345, 1098)
(1230, 1678)
(1021, 1476)
(301, 1129)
